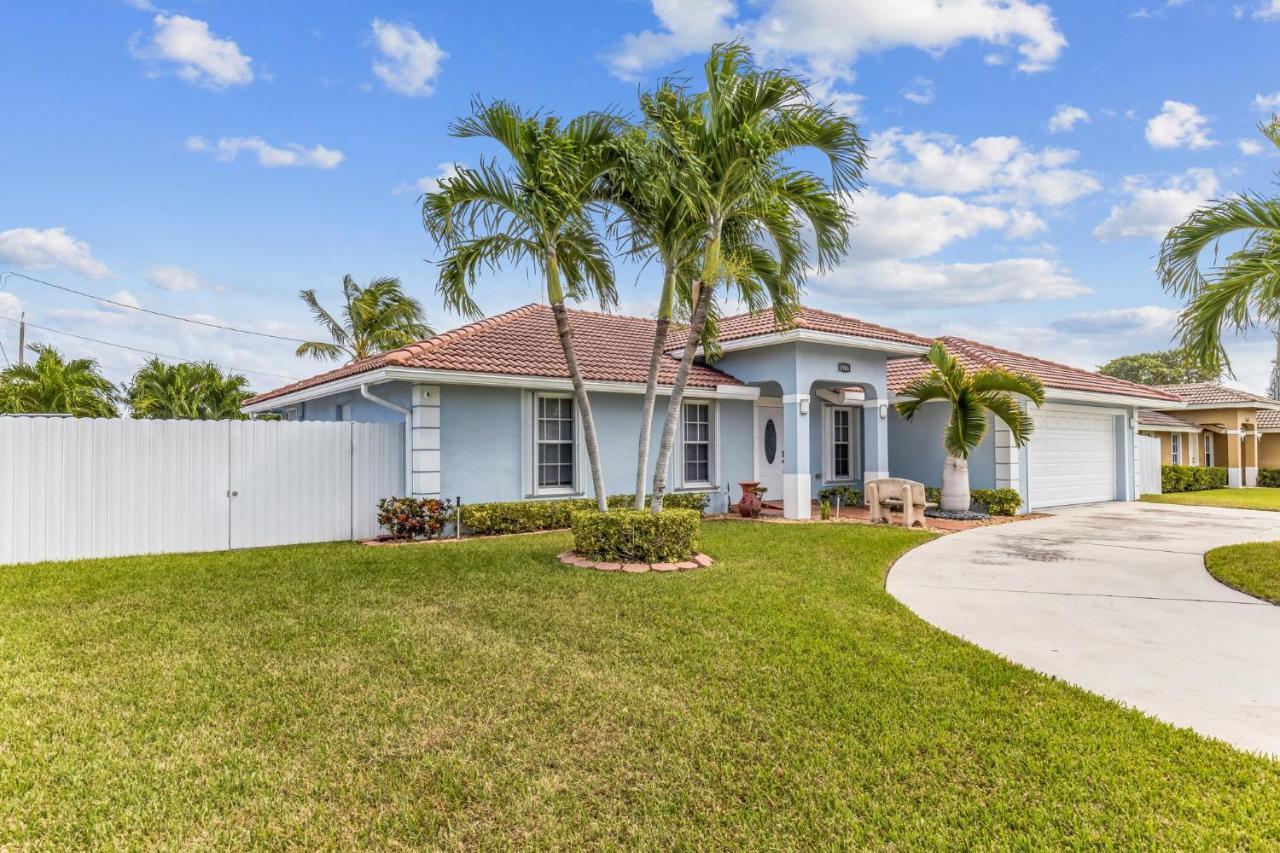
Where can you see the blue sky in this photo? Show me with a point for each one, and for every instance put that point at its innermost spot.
(208, 159)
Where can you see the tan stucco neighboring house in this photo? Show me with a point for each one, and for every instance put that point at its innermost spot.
(1219, 426)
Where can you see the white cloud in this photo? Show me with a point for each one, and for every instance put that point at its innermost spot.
(1266, 103)
(48, 249)
(1066, 117)
(932, 284)
(836, 32)
(428, 184)
(269, 156)
(1002, 168)
(1267, 10)
(1179, 125)
(10, 305)
(176, 279)
(1249, 147)
(911, 226)
(1143, 320)
(1151, 211)
(124, 297)
(200, 56)
(409, 63)
(920, 91)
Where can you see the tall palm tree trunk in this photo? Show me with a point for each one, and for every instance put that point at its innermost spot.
(955, 484)
(696, 324)
(651, 389)
(580, 399)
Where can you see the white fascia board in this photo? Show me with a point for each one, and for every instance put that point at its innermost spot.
(1164, 428)
(498, 380)
(1112, 399)
(1256, 406)
(843, 397)
(811, 336)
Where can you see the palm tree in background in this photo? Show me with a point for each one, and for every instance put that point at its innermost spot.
(375, 318)
(537, 210)
(52, 385)
(187, 391)
(1239, 291)
(970, 397)
(730, 149)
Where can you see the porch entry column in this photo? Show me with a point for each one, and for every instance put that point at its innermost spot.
(425, 449)
(797, 478)
(875, 440)
(1251, 458)
(1235, 444)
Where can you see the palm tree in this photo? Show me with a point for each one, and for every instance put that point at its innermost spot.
(53, 385)
(1240, 291)
(971, 396)
(536, 211)
(186, 391)
(375, 318)
(730, 150)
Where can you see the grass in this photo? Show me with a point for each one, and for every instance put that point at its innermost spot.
(480, 695)
(1268, 499)
(1253, 568)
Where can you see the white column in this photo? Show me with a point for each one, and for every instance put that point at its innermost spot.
(1251, 471)
(796, 476)
(426, 441)
(875, 440)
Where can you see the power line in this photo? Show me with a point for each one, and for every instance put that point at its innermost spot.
(146, 352)
(6, 273)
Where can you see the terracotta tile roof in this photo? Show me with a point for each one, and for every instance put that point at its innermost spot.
(523, 342)
(1268, 419)
(975, 356)
(764, 323)
(1211, 393)
(1149, 418)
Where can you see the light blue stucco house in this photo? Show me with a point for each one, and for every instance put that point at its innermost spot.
(489, 415)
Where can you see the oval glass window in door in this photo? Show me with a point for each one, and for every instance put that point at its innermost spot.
(770, 441)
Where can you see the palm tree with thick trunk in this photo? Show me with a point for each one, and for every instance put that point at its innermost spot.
(537, 210)
(375, 318)
(731, 152)
(54, 385)
(970, 397)
(1239, 291)
(186, 391)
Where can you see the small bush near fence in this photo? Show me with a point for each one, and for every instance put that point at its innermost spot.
(632, 536)
(1269, 477)
(414, 518)
(848, 495)
(492, 519)
(1191, 478)
(997, 501)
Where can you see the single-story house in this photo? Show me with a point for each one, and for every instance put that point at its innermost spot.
(1217, 426)
(489, 414)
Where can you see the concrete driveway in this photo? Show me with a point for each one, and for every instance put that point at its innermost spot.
(1115, 598)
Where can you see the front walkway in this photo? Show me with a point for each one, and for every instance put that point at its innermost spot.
(1115, 598)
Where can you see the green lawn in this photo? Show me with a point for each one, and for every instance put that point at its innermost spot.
(481, 695)
(1253, 568)
(1233, 498)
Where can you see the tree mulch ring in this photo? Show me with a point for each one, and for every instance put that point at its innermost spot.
(697, 561)
(967, 515)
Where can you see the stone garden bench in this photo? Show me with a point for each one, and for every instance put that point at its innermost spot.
(892, 493)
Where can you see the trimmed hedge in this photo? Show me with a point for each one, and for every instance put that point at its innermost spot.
(492, 519)
(1269, 477)
(1191, 478)
(633, 536)
(848, 495)
(997, 501)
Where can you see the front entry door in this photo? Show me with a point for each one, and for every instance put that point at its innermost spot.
(769, 450)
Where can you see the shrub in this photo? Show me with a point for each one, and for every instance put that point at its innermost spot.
(848, 495)
(1269, 477)
(1191, 478)
(491, 519)
(997, 501)
(632, 536)
(933, 494)
(824, 509)
(411, 518)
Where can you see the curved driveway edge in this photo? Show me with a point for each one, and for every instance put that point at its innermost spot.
(1115, 598)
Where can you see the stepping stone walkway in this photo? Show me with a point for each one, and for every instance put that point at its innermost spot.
(699, 561)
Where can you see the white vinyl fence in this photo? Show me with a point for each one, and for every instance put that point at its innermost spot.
(72, 488)
(1149, 465)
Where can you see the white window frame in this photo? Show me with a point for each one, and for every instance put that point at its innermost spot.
(532, 444)
(291, 413)
(1175, 448)
(1208, 449)
(343, 412)
(713, 448)
(829, 443)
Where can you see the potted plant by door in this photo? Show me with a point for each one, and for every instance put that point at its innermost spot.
(751, 500)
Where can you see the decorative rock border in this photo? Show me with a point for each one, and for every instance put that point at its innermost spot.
(698, 561)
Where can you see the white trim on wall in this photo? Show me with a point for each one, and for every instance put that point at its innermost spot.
(829, 444)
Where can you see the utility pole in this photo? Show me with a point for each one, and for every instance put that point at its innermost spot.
(22, 339)
(1273, 387)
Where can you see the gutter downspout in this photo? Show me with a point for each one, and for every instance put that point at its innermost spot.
(408, 432)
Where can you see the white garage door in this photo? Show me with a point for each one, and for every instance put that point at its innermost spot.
(1073, 458)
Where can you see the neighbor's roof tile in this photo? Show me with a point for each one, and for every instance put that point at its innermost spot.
(1211, 393)
(1147, 417)
(524, 342)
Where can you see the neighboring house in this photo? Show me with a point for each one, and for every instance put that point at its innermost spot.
(1218, 426)
(489, 414)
